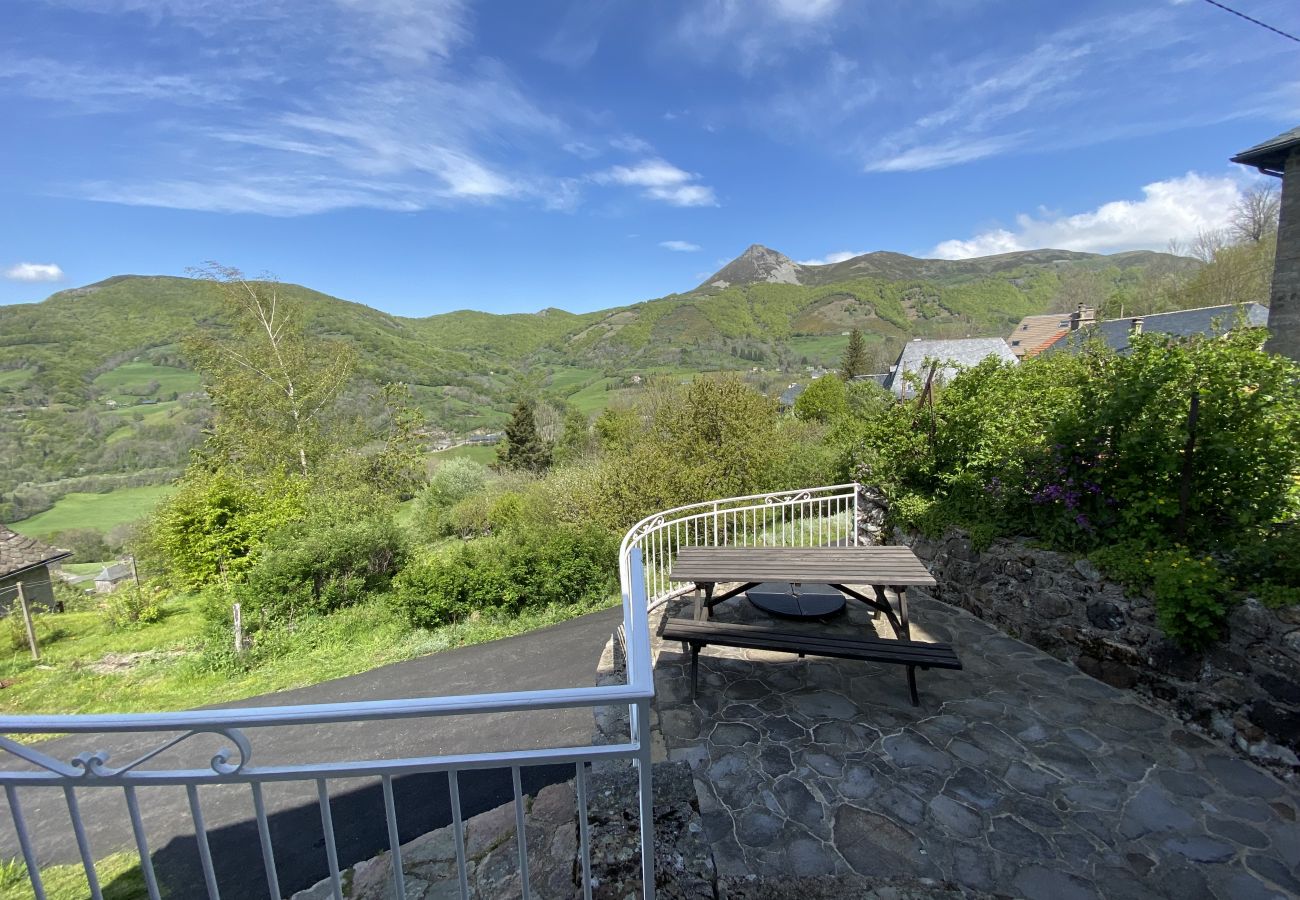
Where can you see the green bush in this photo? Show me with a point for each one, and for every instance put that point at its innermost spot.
(452, 482)
(1191, 597)
(526, 569)
(134, 604)
(334, 557)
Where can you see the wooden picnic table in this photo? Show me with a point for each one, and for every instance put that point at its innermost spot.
(875, 567)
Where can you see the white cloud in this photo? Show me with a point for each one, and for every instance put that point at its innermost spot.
(680, 246)
(937, 156)
(1175, 209)
(660, 180)
(832, 258)
(411, 30)
(753, 32)
(34, 272)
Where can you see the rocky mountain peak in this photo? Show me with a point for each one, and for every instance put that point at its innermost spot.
(757, 264)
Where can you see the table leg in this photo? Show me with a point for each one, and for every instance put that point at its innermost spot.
(703, 603)
(901, 590)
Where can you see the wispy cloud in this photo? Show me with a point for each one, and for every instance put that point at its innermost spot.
(832, 258)
(946, 153)
(751, 33)
(660, 180)
(1172, 210)
(32, 272)
(680, 246)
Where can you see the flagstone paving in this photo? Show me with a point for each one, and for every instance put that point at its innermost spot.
(1018, 775)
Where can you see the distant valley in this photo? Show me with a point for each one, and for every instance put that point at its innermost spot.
(94, 384)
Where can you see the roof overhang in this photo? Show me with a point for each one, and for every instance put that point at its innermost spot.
(1270, 157)
(36, 565)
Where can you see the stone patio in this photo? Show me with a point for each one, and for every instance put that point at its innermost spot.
(1017, 776)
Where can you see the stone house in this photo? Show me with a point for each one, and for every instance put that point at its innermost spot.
(1182, 323)
(1034, 334)
(109, 577)
(1280, 157)
(27, 561)
(952, 356)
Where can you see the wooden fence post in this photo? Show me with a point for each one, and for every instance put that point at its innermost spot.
(27, 621)
(239, 629)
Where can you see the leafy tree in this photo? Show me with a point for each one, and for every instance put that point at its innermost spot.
(272, 385)
(523, 448)
(577, 441)
(825, 400)
(855, 357)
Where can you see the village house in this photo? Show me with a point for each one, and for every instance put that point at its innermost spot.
(1207, 320)
(1035, 334)
(27, 561)
(948, 356)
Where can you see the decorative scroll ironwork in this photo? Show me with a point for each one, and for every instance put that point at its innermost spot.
(790, 497)
(93, 765)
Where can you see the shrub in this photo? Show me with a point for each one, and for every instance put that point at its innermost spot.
(1191, 597)
(134, 605)
(214, 525)
(527, 569)
(452, 482)
(825, 400)
(332, 558)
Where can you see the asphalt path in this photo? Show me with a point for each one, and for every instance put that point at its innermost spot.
(563, 655)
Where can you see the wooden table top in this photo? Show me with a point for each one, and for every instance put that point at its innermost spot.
(813, 565)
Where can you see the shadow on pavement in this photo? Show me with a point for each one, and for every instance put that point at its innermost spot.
(423, 803)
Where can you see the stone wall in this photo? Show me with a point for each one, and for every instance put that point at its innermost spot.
(1246, 689)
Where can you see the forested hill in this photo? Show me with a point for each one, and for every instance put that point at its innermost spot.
(94, 379)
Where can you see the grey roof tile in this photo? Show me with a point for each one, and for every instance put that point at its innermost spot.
(1181, 323)
(962, 354)
(18, 552)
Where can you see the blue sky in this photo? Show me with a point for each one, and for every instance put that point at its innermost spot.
(428, 155)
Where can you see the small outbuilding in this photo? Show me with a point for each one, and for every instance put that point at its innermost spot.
(27, 561)
(109, 577)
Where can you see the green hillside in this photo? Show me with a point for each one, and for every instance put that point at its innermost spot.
(94, 381)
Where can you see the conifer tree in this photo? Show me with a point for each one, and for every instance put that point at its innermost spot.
(524, 448)
(855, 357)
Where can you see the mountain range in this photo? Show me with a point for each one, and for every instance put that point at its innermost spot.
(81, 348)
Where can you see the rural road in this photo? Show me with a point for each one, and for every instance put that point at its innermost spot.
(563, 655)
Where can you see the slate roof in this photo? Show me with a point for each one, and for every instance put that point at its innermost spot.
(791, 394)
(1272, 153)
(962, 353)
(19, 553)
(115, 572)
(1181, 323)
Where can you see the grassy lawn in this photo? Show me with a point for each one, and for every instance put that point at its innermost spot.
(152, 412)
(565, 380)
(99, 511)
(346, 642)
(594, 397)
(480, 453)
(12, 378)
(138, 375)
(84, 568)
(119, 878)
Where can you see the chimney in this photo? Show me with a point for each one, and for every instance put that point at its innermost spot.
(1135, 326)
(1082, 315)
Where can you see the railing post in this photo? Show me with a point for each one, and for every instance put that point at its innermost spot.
(857, 511)
(644, 765)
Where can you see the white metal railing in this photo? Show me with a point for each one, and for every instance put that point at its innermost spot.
(25, 767)
(810, 517)
(807, 517)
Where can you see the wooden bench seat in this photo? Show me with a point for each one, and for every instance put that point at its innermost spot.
(913, 654)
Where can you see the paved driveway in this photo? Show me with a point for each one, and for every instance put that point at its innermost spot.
(563, 655)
